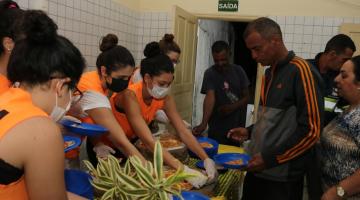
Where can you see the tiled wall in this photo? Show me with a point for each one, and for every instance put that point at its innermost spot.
(84, 22)
(308, 35)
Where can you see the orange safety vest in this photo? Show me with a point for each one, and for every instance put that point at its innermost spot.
(15, 107)
(90, 81)
(147, 111)
(4, 84)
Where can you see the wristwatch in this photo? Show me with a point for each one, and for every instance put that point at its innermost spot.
(340, 191)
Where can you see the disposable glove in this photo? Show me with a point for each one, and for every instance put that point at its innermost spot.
(102, 151)
(210, 168)
(198, 180)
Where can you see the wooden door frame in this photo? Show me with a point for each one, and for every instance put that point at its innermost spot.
(232, 18)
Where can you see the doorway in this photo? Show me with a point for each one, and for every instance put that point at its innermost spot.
(209, 31)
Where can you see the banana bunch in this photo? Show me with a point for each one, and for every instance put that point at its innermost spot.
(136, 180)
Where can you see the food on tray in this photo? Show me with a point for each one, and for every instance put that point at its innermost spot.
(183, 185)
(235, 162)
(206, 145)
(170, 142)
(68, 143)
(167, 141)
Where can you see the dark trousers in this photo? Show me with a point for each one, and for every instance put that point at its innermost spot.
(256, 188)
(313, 175)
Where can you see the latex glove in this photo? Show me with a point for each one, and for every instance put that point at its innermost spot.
(161, 116)
(210, 168)
(102, 151)
(198, 180)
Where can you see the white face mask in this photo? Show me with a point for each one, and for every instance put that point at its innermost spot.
(59, 112)
(158, 92)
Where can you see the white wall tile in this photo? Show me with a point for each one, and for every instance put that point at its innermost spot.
(68, 24)
(317, 39)
(52, 8)
(298, 29)
(319, 21)
(298, 38)
(307, 39)
(280, 20)
(299, 20)
(309, 20)
(69, 12)
(61, 10)
(308, 29)
(328, 21)
(290, 20)
(317, 30)
(70, 3)
(327, 30)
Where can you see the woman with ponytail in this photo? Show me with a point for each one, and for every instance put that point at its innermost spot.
(115, 64)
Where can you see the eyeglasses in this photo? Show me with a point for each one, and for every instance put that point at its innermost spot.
(77, 96)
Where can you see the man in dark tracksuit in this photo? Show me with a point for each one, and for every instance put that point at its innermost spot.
(289, 117)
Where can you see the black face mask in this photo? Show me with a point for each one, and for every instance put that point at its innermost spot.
(117, 84)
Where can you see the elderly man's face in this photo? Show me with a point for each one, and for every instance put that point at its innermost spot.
(262, 50)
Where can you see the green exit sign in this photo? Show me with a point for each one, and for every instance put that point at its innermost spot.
(228, 5)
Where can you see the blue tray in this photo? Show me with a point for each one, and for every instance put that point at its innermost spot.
(187, 195)
(84, 129)
(76, 141)
(211, 152)
(78, 182)
(221, 159)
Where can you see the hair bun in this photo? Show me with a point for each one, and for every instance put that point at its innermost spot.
(168, 38)
(152, 49)
(108, 42)
(38, 27)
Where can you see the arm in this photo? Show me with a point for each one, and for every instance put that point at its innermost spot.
(105, 118)
(351, 186)
(208, 107)
(308, 103)
(184, 133)
(127, 100)
(42, 150)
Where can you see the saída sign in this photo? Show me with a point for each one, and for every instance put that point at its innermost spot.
(228, 5)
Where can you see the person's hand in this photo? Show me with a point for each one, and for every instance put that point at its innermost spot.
(103, 151)
(211, 171)
(256, 163)
(238, 134)
(226, 109)
(330, 194)
(198, 179)
(197, 130)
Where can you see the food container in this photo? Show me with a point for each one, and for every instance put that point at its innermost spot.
(210, 146)
(170, 142)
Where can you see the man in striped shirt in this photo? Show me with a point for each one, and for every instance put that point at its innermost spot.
(289, 117)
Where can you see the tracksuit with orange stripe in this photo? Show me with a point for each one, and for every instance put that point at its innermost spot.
(289, 119)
